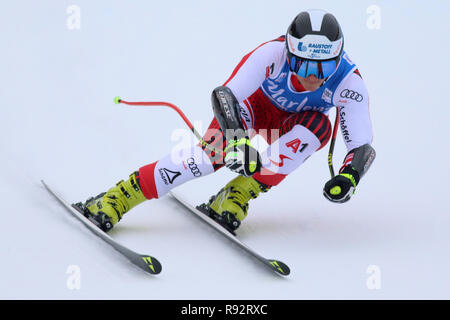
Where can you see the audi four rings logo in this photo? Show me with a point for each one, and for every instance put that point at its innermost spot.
(350, 94)
(193, 167)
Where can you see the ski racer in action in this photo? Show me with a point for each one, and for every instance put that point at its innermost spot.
(286, 87)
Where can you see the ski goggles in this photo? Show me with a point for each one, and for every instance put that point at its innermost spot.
(320, 68)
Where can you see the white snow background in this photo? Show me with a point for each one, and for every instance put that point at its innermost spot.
(59, 123)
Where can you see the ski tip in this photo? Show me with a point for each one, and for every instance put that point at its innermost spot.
(151, 264)
(117, 100)
(280, 267)
(45, 185)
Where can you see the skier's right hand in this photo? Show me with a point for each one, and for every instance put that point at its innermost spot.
(241, 157)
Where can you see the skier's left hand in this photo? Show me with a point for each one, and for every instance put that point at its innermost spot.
(241, 157)
(340, 188)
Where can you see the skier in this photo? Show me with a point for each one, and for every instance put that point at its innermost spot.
(286, 86)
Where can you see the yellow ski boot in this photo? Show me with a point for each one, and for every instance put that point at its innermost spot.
(108, 208)
(230, 206)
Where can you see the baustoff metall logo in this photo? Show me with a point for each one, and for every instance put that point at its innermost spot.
(301, 47)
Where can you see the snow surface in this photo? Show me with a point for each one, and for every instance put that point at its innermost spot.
(59, 124)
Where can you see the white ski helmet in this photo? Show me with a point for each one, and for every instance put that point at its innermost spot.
(314, 43)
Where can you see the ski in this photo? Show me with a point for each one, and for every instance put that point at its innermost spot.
(275, 265)
(145, 262)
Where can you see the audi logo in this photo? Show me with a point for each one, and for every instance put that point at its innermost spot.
(193, 167)
(350, 94)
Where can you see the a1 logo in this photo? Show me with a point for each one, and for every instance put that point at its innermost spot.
(296, 145)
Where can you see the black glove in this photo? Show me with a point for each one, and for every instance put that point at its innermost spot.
(241, 157)
(341, 187)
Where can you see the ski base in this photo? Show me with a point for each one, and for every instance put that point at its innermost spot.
(145, 262)
(275, 265)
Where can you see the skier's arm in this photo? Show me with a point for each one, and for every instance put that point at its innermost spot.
(356, 128)
(255, 67)
(352, 100)
(246, 78)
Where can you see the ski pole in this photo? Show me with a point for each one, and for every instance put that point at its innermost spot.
(118, 100)
(333, 140)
